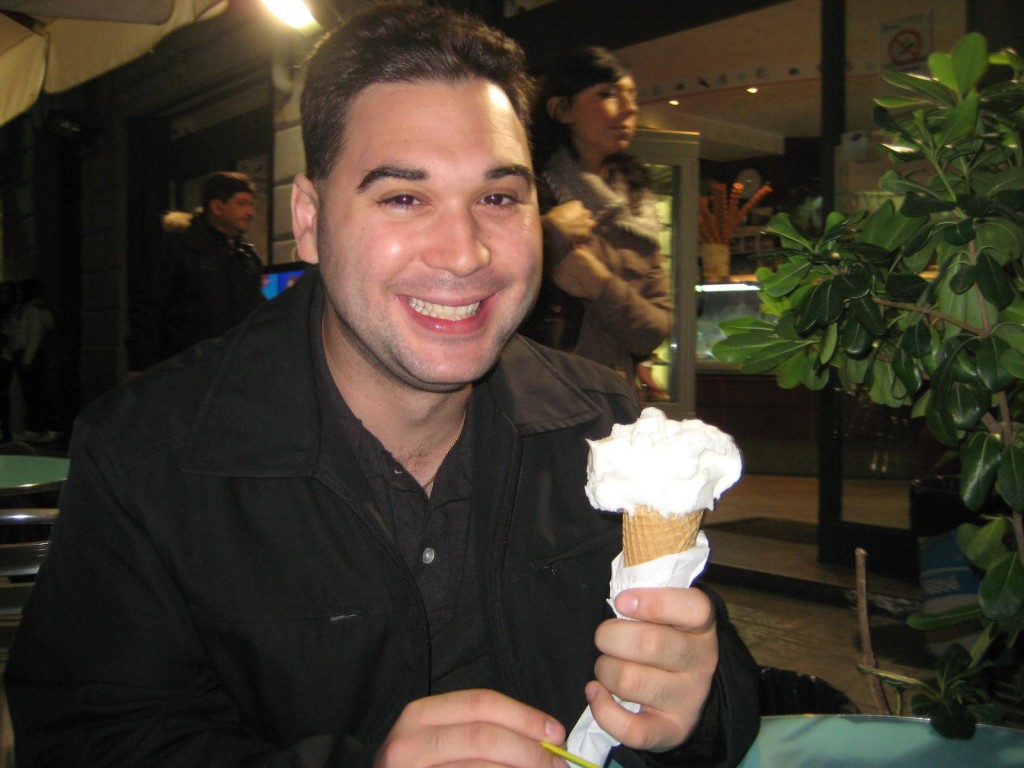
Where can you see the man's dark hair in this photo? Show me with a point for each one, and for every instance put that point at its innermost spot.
(401, 43)
(223, 185)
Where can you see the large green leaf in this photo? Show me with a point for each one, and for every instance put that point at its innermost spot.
(883, 387)
(896, 183)
(1011, 178)
(983, 545)
(790, 373)
(856, 339)
(1010, 479)
(979, 463)
(917, 339)
(951, 719)
(1001, 592)
(941, 67)
(823, 306)
(829, 344)
(908, 370)
(769, 357)
(787, 278)
(868, 314)
(897, 102)
(1001, 238)
(888, 228)
(994, 283)
(920, 84)
(990, 370)
(960, 233)
(969, 61)
(782, 224)
(1012, 361)
(853, 283)
(937, 414)
(961, 120)
(903, 287)
(738, 347)
(925, 205)
(967, 307)
(967, 403)
(961, 277)
(744, 324)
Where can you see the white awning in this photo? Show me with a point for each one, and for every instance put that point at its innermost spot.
(53, 45)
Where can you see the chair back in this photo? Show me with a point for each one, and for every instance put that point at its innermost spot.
(19, 562)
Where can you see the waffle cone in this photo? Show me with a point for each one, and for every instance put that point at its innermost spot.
(646, 535)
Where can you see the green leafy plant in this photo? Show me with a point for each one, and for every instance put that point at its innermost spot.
(920, 304)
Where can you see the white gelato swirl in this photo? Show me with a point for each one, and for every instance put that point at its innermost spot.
(675, 467)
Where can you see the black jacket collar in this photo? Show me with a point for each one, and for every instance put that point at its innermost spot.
(261, 414)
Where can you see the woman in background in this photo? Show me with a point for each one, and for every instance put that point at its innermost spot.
(606, 294)
(32, 327)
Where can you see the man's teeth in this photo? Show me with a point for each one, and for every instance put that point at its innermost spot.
(443, 312)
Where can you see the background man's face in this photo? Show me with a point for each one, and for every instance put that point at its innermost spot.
(233, 216)
(428, 233)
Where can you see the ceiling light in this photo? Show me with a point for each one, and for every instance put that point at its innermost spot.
(674, 102)
(752, 89)
(294, 13)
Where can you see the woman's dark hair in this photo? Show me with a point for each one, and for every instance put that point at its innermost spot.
(576, 72)
(401, 43)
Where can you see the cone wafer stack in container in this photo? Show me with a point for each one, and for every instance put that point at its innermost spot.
(663, 475)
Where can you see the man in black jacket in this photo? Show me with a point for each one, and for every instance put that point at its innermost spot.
(353, 531)
(204, 280)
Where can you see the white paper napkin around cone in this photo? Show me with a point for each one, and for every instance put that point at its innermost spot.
(587, 739)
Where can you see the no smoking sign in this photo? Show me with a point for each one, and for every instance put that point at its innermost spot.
(907, 42)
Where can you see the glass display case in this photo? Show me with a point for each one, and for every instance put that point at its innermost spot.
(672, 159)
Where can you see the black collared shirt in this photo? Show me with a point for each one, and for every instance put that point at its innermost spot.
(434, 537)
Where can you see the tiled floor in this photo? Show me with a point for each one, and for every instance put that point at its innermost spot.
(796, 613)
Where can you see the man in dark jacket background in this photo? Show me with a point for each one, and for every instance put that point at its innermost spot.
(353, 531)
(204, 280)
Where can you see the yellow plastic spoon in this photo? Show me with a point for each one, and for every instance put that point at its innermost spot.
(568, 756)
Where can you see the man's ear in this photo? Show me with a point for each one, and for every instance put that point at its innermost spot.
(558, 108)
(305, 210)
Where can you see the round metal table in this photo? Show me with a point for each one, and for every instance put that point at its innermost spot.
(20, 475)
(873, 741)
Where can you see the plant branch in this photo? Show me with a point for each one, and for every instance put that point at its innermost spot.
(1018, 533)
(932, 313)
(865, 632)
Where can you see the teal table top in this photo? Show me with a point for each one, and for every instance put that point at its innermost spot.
(31, 474)
(869, 741)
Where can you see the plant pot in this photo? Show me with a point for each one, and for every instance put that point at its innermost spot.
(715, 260)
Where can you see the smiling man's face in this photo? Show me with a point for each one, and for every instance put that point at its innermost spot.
(426, 231)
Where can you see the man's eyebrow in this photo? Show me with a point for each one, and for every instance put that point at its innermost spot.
(391, 172)
(503, 171)
(418, 174)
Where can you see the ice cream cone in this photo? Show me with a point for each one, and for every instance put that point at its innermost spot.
(646, 535)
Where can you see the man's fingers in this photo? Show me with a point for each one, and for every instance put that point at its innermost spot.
(687, 609)
(484, 706)
(648, 729)
(463, 744)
